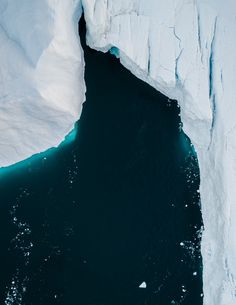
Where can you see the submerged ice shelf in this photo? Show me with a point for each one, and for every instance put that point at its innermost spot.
(41, 156)
(183, 49)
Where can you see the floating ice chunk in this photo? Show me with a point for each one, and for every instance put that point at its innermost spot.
(143, 285)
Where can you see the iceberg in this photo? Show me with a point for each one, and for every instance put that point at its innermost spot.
(41, 75)
(184, 49)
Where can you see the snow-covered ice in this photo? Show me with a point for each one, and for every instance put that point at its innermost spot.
(41, 75)
(185, 49)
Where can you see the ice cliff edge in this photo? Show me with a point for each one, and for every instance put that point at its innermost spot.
(185, 49)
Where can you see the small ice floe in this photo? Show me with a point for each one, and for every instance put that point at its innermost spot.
(183, 288)
(194, 273)
(143, 285)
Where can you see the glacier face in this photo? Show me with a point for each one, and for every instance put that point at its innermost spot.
(41, 75)
(185, 49)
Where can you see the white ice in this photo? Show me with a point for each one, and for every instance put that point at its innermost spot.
(41, 75)
(185, 49)
(143, 285)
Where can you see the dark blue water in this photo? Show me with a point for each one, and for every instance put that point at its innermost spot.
(87, 223)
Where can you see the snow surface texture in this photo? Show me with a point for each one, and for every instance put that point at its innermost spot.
(187, 50)
(41, 75)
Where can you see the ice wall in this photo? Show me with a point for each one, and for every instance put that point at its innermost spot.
(41, 75)
(187, 50)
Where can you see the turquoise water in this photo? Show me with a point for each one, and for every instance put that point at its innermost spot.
(32, 161)
(88, 222)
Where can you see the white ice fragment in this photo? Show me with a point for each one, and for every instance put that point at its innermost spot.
(143, 285)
